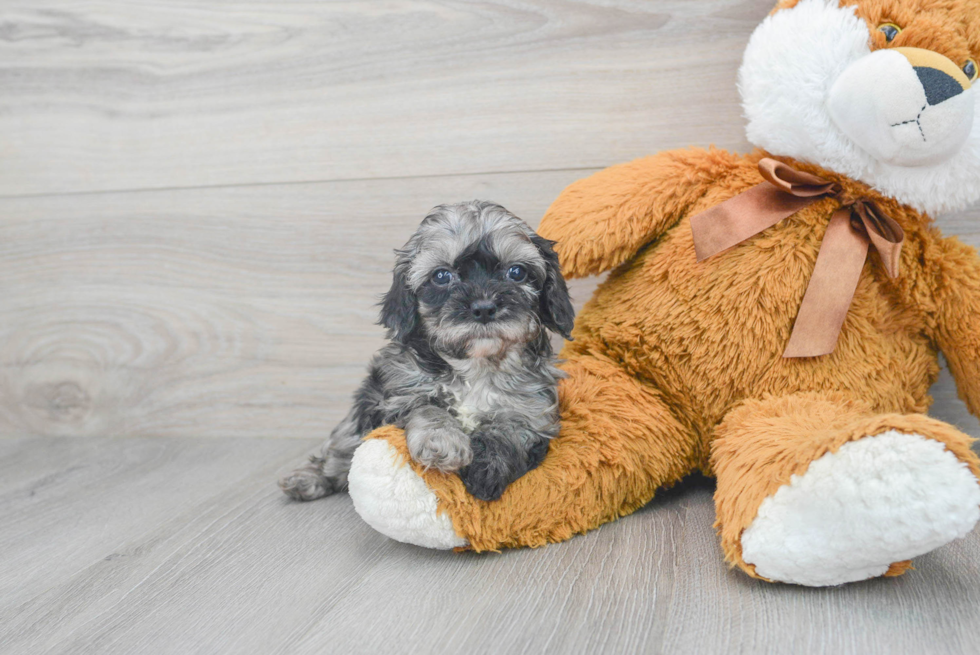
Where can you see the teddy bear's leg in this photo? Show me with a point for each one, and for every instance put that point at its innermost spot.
(816, 489)
(618, 444)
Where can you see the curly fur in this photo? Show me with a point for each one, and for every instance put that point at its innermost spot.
(474, 397)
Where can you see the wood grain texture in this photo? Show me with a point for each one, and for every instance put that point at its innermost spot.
(108, 557)
(248, 310)
(154, 94)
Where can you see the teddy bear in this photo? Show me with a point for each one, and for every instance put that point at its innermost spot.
(772, 319)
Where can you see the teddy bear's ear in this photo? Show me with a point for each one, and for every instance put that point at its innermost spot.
(557, 312)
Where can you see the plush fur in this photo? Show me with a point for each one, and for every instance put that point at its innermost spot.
(406, 508)
(899, 493)
(677, 366)
(917, 496)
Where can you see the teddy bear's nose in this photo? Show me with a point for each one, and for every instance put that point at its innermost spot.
(940, 78)
(938, 85)
(904, 106)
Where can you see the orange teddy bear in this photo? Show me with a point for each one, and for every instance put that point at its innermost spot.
(756, 364)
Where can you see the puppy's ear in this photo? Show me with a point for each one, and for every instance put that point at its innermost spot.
(400, 307)
(557, 312)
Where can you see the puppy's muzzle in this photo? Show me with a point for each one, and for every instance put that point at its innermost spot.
(904, 106)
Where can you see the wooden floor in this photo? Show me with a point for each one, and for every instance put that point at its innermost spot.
(182, 545)
(178, 545)
(198, 203)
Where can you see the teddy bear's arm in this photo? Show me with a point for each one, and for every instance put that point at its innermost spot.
(601, 221)
(957, 294)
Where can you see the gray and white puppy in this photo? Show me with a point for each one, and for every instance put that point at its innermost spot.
(469, 371)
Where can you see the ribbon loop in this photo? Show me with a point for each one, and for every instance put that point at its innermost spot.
(798, 183)
(856, 226)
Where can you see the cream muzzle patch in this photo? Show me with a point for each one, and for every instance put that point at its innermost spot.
(904, 106)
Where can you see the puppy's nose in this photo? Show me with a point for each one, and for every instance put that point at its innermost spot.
(483, 311)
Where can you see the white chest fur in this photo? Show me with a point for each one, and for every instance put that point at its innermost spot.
(480, 386)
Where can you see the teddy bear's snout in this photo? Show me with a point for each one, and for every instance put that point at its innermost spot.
(904, 106)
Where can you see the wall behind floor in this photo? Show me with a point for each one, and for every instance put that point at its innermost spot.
(199, 199)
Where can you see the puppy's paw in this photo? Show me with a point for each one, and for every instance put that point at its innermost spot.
(536, 453)
(483, 481)
(309, 483)
(443, 448)
(496, 463)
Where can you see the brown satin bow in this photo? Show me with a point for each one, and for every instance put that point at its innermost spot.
(858, 224)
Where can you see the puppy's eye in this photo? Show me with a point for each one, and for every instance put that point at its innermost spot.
(442, 277)
(970, 69)
(517, 273)
(890, 30)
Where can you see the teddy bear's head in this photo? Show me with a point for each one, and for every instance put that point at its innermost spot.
(882, 91)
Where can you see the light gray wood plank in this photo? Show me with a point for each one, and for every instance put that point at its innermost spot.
(152, 94)
(215, 312)
(238, 569)
(111, 532)
(76, 501)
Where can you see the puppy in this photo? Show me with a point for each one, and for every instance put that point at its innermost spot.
(469, 372)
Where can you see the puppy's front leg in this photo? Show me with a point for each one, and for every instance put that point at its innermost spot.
(504, 449)
(436, 439)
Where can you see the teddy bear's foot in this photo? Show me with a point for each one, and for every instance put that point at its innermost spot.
(395, 501)
(821, 491)
(855, 512)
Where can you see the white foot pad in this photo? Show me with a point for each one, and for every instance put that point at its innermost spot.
(395, 501)
(878, 500)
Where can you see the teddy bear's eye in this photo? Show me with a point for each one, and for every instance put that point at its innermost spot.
(970, 69)
(890, 30)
